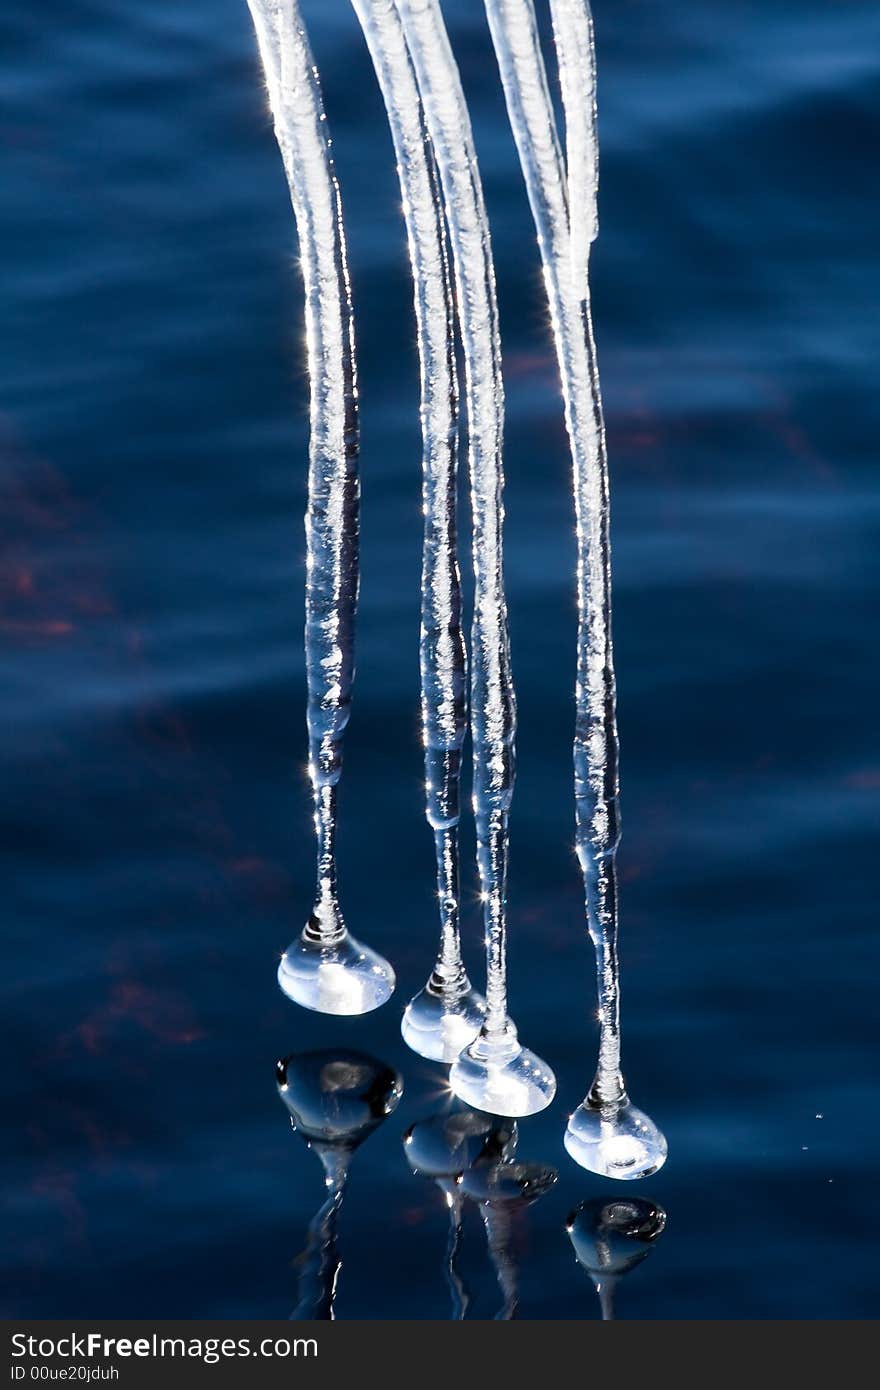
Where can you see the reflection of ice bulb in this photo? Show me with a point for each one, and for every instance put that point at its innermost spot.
(611, 1237)
(335, 1100)
(508, 1184)
(443, 1147)
(501, 1189)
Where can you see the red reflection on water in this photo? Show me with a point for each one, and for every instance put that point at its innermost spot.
(46, 583)
(266, 881)
(160, 1015)
(866, 779)
(162, 727)
(415, 1216)
(57, 1187)
(48, 627)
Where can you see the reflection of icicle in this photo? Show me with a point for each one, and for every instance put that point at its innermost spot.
(611, 1238)
(504, 1189)
(493, 714)
(516, 42)
(501, 1256)
(336, 1100)
(442, 1147)
(443, 1018)
(320, 1263)
(324, 969)
(457, 1287)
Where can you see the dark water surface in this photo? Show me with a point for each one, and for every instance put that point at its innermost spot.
(156, 836)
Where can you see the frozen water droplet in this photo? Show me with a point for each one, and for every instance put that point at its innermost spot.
(615, 1140)
(338, 977)
(499, 1075)
(439, 1024)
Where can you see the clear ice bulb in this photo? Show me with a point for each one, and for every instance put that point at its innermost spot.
(615, 1140)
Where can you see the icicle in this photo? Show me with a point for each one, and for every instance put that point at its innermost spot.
(576, 57)
(446, 1015)
(325, 968)
(629, 1145)
(495, 1073)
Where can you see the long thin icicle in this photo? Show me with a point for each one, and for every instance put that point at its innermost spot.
(495, 1072)
(514, 34)
(576, 57)
(442, 1019)
(493, 710)
(308, 973)
(607, 1133)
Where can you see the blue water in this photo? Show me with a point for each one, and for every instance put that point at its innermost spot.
(156, 837)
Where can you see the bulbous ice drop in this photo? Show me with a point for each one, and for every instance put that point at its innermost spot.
(615, 1140)
(439, 1022)
(315, 969)
(446, 1015)
(499, 1075)
(339, 976)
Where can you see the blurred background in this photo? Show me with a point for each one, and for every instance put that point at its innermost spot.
(156, 829)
